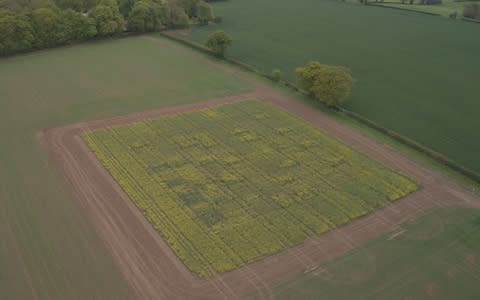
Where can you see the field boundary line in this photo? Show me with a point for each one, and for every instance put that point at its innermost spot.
(412, 144)
(141, 249)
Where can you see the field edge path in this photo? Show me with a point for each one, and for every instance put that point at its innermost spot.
(151, 267)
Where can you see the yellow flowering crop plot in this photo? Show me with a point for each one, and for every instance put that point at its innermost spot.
(227, 185)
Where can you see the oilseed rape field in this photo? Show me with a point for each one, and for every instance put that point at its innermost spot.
(229, 184)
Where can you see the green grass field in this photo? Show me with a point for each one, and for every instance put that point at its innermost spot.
(230, 184)
(48, 249)
(416, 74)
(444, 9)
(434, 257)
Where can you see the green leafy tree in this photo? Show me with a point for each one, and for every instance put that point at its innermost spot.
(205, 13)
(16, 33)
(331, 84)
(46, 27)
(49, 31)
(276, 75)
(76, 27)
(77, 5)
(25, 6)
(178, 16)
(163, 9)
(182, 19)
(145, 16)
(218, 42)
(190, 7)
(125, 6)
(108, 19)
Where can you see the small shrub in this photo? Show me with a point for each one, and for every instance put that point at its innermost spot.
(276, 75)
(181, 20)
(218, 42)
(330, 84)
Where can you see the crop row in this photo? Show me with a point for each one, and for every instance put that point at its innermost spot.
(227, 185)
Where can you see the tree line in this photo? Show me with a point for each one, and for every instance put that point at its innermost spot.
(329, 84)
(40, 24)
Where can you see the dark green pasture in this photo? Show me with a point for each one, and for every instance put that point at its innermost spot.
(416, 74)
(48, 248)
(436, 256)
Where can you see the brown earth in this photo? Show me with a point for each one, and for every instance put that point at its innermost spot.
(153, 270)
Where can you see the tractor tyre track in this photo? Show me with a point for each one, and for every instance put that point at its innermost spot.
(153, 270)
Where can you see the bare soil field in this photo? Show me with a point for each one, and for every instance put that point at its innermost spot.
(151, 267)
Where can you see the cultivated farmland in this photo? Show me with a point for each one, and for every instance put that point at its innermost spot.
(229, 184)
(155, 271)
(68, 231)
(445, 8)
(49, 249)
(410, 262)
(416, 74)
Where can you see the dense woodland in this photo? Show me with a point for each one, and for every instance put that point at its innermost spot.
(37, 24)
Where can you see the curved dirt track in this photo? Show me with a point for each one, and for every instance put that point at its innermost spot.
(153, 270)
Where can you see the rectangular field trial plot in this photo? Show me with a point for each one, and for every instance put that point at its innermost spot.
(227, 185)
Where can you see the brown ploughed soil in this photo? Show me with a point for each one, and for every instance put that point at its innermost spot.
(153, 270)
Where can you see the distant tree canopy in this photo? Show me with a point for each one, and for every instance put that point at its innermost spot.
(205, 13)
(330, 84)
(190, 7)
(16, 33)
(77, 5)
(77, 27)
(147, 15)
(25, 5)
(48, 27)
(125, 6)
(43, 28)
(472, 11)
(38, 24)
(182, 20)
(218, 42)
(108, 19)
